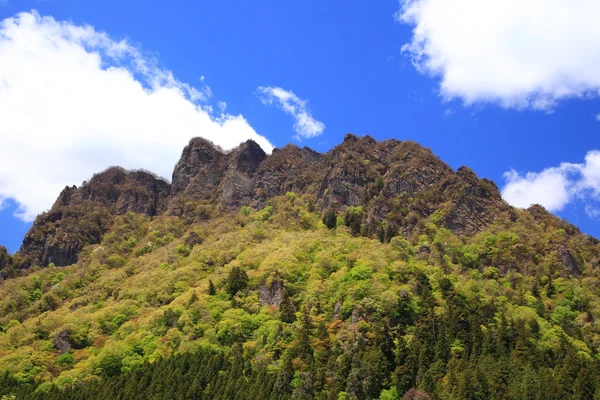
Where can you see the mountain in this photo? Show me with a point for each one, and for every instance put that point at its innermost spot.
(396, 183)
(372, 271)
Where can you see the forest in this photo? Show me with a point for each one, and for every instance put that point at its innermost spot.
(288, 302)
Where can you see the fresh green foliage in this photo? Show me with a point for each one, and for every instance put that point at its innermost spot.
(271, 304)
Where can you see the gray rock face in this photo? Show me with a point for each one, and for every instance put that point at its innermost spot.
(199, 171)
(80, 216)
(289, 169)
(143, 193)
(475, 202)
(569, 261)
(205, 172)
(399, 183)
(239, 179)
(272, 294)
(61, 342)
(136, 191)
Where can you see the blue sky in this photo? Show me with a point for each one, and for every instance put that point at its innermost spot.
(343, 62)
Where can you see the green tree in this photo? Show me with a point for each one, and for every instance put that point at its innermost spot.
(236, 281)
(287, 309)
(211, 288)
(330, 218)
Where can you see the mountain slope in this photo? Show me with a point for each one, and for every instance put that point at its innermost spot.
(372, 271)
(396, 183)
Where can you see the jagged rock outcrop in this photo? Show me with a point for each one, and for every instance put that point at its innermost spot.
(351, 167)
(80, 216)
(198, 173)
(569, 261)
(402, 182)
(289, 169)
(206, 172)
(473, 203)
(61, 341)
(271, 294)
(239, 180)
(383, 177)
(394, 186)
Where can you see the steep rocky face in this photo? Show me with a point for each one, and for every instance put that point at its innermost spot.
(81, 215)
(271, 294)
(393, 185)
(351, 168)
(198, 173)
(206, 172)
(472, 203)
(239, 181)
(569, 261)
(402, 182)
(289, 169)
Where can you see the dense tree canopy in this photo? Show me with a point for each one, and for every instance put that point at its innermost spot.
(423, 315)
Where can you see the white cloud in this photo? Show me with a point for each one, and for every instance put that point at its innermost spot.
(548, 188)
(516, 53)
(73, 101)
(555, 187)
(306, 126)
(592, 212)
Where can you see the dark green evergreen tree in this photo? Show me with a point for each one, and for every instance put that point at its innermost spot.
(236, 281)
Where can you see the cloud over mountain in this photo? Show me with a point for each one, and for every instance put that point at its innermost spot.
(306, 126)
(75, 101)
(555, 187)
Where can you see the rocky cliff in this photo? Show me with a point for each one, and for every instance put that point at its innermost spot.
(80, 216)
(392, 186)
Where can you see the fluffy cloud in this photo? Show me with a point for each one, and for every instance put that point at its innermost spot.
(555, 187)
(74, 101)
(306, 126)
(549, 188)
(521, 54)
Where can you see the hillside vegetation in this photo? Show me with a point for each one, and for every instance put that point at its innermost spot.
(288, 301)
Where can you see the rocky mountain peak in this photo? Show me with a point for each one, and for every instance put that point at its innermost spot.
(396, 184)
(81, 215)
(247, 157)
(199, 154)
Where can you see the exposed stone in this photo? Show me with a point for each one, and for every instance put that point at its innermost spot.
(239, 180)
(61, 341)
(289, 169)
(569, 261)
(398, 184)
(199, 171)
(271, 294)
(474, 203)
(425, 249)
(206, 172)
(337, 307)
(80, 216)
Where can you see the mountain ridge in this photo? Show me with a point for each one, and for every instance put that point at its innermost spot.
(371, 271)
(397, 183)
